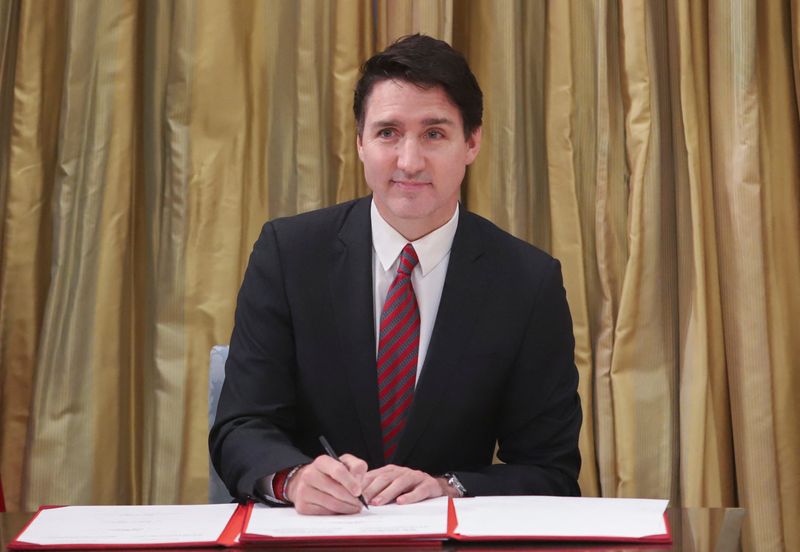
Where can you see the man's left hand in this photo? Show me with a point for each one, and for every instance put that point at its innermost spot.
(402, 485)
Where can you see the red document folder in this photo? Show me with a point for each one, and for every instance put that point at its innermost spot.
(659, 538)
(452, 532)
(228, 537)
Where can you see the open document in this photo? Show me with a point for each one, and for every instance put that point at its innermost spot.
(560, 518)
(131, 526)
(424, 521)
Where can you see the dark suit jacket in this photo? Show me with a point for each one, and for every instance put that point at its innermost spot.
(302, 363)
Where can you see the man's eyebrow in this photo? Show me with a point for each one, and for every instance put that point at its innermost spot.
(433, 121)
(436, 121)
(385, 123)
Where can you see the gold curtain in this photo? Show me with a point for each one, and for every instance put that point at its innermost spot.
(652, 146)
(144, 146)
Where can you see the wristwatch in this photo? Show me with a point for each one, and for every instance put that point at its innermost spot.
(453, 481)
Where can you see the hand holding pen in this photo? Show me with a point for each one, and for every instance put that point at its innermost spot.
(329, 450)
(328, 485)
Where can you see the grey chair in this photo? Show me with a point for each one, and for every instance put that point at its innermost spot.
(217, 493)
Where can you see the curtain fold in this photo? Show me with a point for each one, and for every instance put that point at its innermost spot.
(643, 363)
(568, 122)
(30, 96)
(164, 178)
(653, 147)
(396, 18)
(706, 464)
(82, 399)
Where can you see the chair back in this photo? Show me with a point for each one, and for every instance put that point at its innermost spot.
(217, 492)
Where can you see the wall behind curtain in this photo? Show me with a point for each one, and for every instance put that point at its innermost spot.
(652, 146)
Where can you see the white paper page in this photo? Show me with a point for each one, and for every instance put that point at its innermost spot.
(423, 518)
(129, 524)
(548, 516)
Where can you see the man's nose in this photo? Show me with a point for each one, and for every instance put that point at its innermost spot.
(410, 158)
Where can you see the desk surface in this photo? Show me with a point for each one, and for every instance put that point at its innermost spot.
(693, 530)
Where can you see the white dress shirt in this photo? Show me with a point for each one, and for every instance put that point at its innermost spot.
(427, 278)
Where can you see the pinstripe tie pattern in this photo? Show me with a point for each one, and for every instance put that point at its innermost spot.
(398, 348)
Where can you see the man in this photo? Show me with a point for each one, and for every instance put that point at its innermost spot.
(411, 333)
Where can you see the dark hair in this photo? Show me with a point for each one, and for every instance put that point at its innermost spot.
(425, 62)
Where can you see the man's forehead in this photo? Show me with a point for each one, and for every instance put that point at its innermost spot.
(393, 102)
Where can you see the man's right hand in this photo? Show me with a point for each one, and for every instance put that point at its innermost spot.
(326, 486)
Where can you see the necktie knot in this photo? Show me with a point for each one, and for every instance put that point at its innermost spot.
(408, 260)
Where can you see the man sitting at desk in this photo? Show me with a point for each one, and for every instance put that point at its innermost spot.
(411, 333)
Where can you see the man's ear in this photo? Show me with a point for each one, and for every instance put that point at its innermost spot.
(360, 147)
(473, 145)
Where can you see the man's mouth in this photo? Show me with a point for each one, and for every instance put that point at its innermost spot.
(410, 183)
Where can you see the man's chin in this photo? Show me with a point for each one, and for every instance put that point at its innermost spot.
(408, 210)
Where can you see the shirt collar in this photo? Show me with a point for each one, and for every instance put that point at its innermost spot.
(431, 249)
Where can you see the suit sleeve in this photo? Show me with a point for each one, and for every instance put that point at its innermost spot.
(541, 416)
(256, 412)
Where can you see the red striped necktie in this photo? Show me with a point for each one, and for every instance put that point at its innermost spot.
(398, 348)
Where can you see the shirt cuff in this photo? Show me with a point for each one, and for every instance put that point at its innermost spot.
(263, 490)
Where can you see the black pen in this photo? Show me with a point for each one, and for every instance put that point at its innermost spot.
(329, 450)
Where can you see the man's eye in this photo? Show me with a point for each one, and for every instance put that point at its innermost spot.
(435, 134)
(385, 133)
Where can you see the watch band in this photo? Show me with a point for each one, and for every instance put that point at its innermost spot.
(285, 484)
(453, 481)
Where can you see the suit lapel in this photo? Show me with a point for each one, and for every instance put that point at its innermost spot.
(351, 295)
(462, 297)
